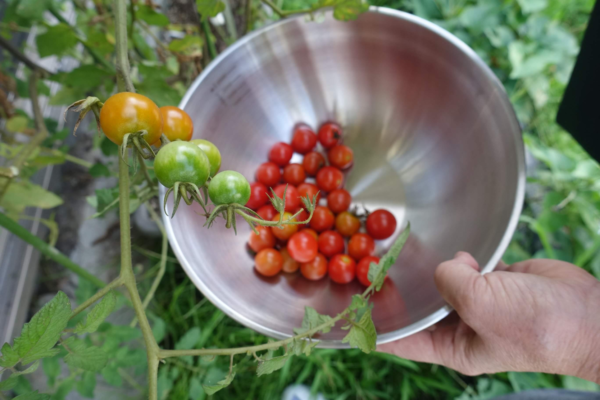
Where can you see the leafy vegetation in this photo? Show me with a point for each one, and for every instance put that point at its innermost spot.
(530, 45)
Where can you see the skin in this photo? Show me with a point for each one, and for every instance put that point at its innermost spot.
(126, 112)
(181, 162)
(537, 315)
(212, 152)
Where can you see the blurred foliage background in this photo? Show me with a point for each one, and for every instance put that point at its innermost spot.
(531, 45)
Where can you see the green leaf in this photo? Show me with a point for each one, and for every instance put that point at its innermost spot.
(269, 366)
(86, 385)
(377, 272)
(97, 40)
(160, 92)
(196, 391)
(57, 40)
(43, 331)
(84, 78)
(98, 170)
(531, 6)
(189, 340)
(10, 357)
(212, 389)
(108, 148)
(362, 334)
(106, 199)
(209, 8)
(81, 355)
(159, 329)
(98, 314)
(151, 17)
(311, 320)
(9, 383)
(303, 346)
(33, 396)
(189, 45)
(29, 370)
(111, 376)
(18, 123)
(64, 388)
(33, 9)
(66, 96)
(349, 10)
(51, 367)
(357, 302)
(574, 383)
(21, 194)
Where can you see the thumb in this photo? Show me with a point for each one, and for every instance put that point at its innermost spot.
(457, 282)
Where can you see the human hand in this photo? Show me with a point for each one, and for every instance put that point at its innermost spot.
(537, 315)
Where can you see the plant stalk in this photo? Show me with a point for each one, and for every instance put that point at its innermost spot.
(122, 59)
(22, 57)
(212, 50)
(100, 294)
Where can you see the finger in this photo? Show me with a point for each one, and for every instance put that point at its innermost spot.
(467, 258)
(418, 347)
(501, 266)
(456, 281)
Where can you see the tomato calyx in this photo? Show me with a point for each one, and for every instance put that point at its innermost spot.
(82, 107)
(187, 191)
(139, 144)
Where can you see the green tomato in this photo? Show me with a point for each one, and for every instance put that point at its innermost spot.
(229, 187)
(181, 162)
(212, 152)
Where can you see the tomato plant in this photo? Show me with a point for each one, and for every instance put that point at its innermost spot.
(294, 174)
(268, 262)
(329, 135)
(330, 179)
(316, 269)
(342, 269)
(269, 174)
(229, 187)
(360, 246)
(362, 269)
(281, 154)
(381, 224)
(339, 200)
(313, 162)
(347, 224)
(303, 247)
(177, 124)
(263, 240)
(125, 113)
(331, 243)
(304, 139)
(323, 219)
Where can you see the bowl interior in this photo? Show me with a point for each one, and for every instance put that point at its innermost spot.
(435, 142)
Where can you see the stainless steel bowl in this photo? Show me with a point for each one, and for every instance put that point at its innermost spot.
(435, 140)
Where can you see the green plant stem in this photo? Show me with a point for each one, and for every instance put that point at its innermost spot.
(248, 15)
(588, 253)
(100, 294)
(22, 57)
(144, 169)
(249, 349)
(47, 250)
(286, 13)
(97, 57)
(130, 380)
(122, 59)
(212, 50)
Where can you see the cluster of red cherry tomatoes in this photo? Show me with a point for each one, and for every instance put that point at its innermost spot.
(318, 248)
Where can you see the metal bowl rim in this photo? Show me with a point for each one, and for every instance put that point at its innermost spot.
(443, 311)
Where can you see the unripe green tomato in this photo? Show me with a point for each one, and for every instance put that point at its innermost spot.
(212, 152)
(229, 187)
(181, 162)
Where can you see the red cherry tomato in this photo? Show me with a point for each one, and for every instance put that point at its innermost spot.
(311, 232)
(289, 264)
(267, 212)
(309, 190)
(177, 124)
(258, 196)
(268, 262)
(281, 153)
(292, 198)
(381, 224)
(339, 200)
(294, 174)
(330, 135)
(264, 240)
(303, 247)
(341, 156)
(347, 224)
(285, 231)
(303, 216)
(304, 139)
(342, 269)
(360, 246)
(329, 179)
(315, 269)
(322, 220)
(313, 162)
(331, 243)
(269, 174)
(362, 269)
